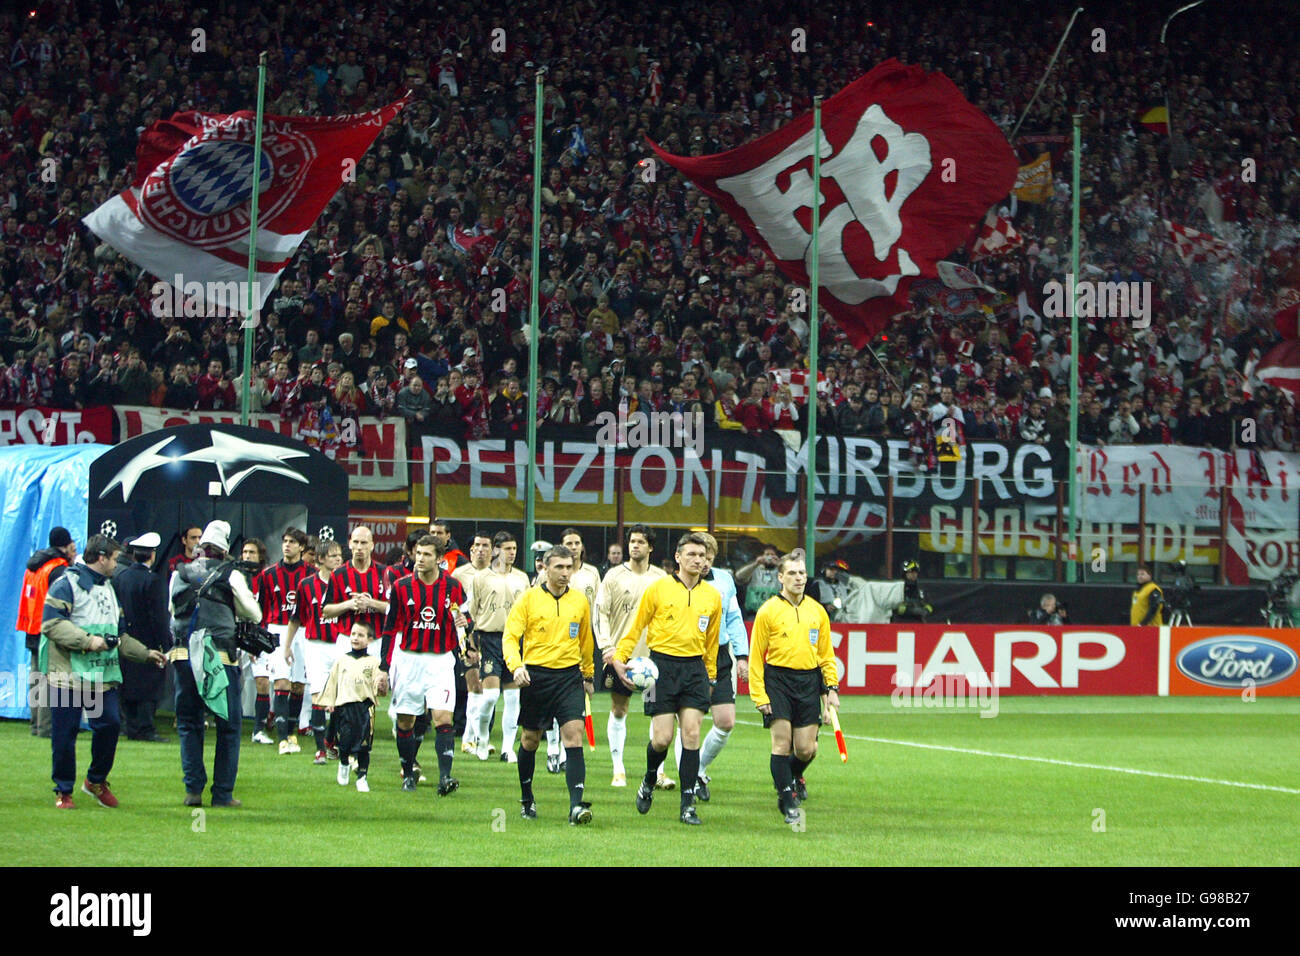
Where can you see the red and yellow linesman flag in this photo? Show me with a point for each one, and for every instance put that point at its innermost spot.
(839, 735)
(1034, 180)
(1156, 120)
(586, 720)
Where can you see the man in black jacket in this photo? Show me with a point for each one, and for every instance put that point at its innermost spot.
(143, 597)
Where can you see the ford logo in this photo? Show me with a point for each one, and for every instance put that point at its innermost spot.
(1230, 660)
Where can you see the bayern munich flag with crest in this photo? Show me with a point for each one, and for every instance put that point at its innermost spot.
(908, 168)
(187, 213)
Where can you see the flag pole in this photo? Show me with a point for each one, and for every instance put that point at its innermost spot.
(250, 322)
(1046, 73)
(814, 326)
(530, 474)
(1071, 300)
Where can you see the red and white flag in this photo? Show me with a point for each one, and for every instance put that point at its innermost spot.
(997, 237)
(655, 83)
(1193, 246)
(1280, 368)
(186, 216)
(908, 167)
(1288, 309)
(797, 381)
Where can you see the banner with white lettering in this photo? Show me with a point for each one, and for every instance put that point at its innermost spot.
(955, 665)
(379, 464)
(56, 426)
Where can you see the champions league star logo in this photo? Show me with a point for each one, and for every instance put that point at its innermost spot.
(200, 196)
(235, 459)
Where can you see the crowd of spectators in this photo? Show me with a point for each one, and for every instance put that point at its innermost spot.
(410, 297)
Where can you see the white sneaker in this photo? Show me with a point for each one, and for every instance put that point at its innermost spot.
(511, 757)
(363, 785)
(284, 748)
(620, 780)
(261, 738)
(467, 746)
(665, 782)
(344, 770)
(481, 751)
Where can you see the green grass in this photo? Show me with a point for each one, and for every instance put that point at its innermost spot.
(891, 804)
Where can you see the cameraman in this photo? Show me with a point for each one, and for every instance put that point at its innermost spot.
(1049, 611)
(1180, 596)
(759, 578)
(207, 596)
(913, 606)
(1279, 612)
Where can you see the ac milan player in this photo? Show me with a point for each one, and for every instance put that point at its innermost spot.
(277, 591)
(364, 579)
(425, 617)
(316, 617)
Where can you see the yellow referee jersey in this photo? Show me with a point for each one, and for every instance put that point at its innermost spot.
(680, 622)
(554, 631)
(789, 635)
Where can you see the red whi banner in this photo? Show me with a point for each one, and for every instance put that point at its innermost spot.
(886, 658)
(56, 426)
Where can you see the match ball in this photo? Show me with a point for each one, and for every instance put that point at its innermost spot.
(642, 672)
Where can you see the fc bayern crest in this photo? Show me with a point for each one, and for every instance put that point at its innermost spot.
(201, 195)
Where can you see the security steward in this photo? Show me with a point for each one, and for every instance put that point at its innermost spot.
(142, 595)
(1148, 601)
(43, 569)
(914, 606)
(554, 671)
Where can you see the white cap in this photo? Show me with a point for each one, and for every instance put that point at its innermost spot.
(411, 363)
(542, 546)
(147, 540)
(218, 533)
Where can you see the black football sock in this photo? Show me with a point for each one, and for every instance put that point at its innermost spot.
(527, 763)
(406, 748)
(422, 725)
(690, 770)
(295, 710)
(654, 759)
(575, 774)
(363, 762)
(282, 713)
(781, 776)
(797, 766)
(445, 742)
(331, 730)
(261, 709)
(318, 726)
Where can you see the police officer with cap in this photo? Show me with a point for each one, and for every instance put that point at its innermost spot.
(142, 595)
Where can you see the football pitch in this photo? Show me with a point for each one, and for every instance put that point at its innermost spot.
(1049, 781)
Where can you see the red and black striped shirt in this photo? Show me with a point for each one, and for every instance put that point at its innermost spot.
(277, 591)
(422, 614)
(348, 581)
(313, 595)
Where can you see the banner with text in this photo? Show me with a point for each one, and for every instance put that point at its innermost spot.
(1234, 662)
(929, 660)
(56, 426)
(378, 465)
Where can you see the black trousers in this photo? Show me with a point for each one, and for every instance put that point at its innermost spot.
(138, 718)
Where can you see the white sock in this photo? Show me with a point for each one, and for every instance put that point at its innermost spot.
(552, 740)
(485, 710)
(713, 742)
(616, 731)
(510, 719)
(677, 749)
(473, 702)
(304, 714)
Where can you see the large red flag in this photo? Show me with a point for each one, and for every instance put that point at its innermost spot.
(1280, 368)
(908, 168)
(187, 212)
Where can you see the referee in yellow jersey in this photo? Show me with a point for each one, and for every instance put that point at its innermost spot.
(681, 615)
(555, 669)
(790, 666)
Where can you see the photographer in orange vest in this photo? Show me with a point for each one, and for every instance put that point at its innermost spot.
(43, 569)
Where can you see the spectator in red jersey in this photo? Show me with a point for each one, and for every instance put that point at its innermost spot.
(215, 390)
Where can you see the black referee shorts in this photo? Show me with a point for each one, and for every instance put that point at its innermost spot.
(724, 692)
(610, 681)
(553, 694)
(683, 682)
(491, 658)
(795, 695)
